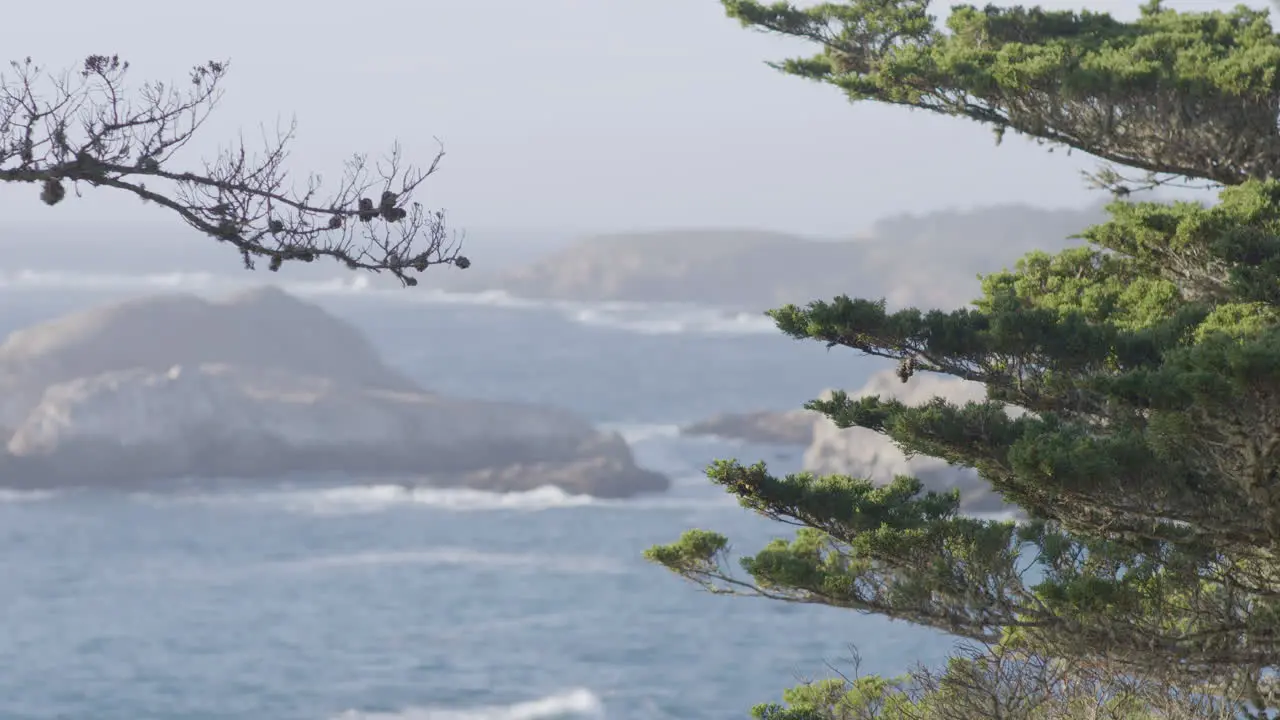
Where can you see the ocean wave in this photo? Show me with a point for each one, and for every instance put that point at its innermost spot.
(374, 498)
(639, 318)
(365, 499)
(576, 703)
(357, 499)
(454, 556)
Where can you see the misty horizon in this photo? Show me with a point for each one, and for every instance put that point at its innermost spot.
(672, 119)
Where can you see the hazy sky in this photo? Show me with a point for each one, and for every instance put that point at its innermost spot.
(556, 114)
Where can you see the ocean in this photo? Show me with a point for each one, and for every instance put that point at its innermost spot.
(363, 601)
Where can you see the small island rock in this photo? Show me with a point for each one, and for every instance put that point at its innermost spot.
(264, 386)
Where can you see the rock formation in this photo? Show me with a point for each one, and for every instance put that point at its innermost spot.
(262, 386)
(929, 260)
(795, 427)
(859, 452)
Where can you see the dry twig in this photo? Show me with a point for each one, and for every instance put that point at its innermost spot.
(85, 127)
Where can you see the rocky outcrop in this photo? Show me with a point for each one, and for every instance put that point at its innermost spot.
(859, 452)
(265, 386)
(927, 260)
(795, 427)
(260, 328)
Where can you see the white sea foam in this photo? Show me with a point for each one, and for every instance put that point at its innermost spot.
(356, 499)
(375, 498)
(635, 433)
(640, 318)
(576, 703)
(658, 446)
(690, 493)
(366, 499)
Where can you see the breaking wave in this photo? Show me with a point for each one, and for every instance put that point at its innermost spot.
(372, 498)
(576, 703)
(657, 446)
(365, 499)
(355, 499)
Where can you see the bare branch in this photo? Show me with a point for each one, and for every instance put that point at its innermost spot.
(82, 128)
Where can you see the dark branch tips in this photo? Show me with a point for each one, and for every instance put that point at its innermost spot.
(53, 192)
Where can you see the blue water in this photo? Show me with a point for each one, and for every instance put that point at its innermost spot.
(362, 601)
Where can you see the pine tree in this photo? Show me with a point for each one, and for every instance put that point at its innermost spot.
(1133, 384)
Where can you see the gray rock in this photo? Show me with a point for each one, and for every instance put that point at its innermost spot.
(858, 452)
(795, 427)
(267, 386)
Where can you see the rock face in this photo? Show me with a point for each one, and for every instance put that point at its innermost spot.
(263, 386)
(859, 452)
